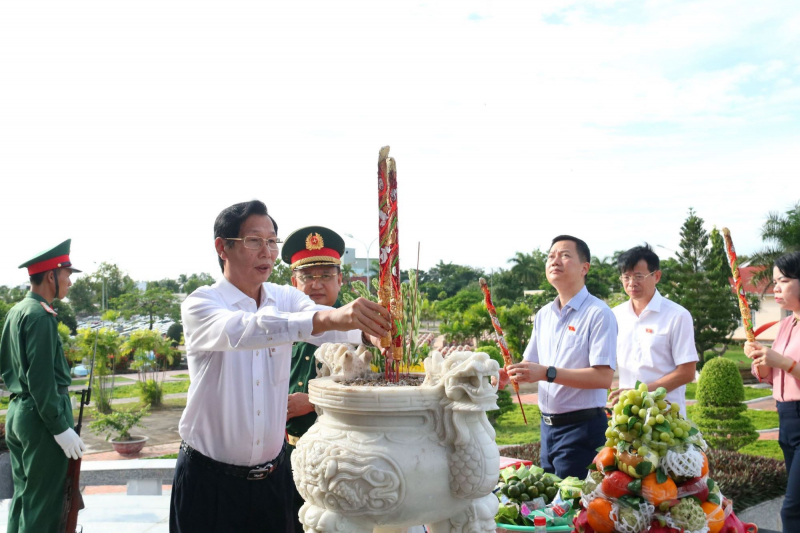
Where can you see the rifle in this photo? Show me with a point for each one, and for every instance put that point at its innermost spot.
(73, 499)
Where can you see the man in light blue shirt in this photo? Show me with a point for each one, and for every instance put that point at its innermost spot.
(572, 354)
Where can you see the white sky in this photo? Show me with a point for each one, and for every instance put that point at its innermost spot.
(128, 126)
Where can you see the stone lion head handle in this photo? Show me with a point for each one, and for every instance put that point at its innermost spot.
(466, 378)
(344, 360)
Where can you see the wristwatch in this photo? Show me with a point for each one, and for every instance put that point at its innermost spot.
(551, 374)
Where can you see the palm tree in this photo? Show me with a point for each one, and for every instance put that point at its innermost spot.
(782, 232)
(527, 269)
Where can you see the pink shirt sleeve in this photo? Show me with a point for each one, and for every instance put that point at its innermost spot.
(786, 388)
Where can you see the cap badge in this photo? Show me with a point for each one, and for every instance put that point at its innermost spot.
(314, 242)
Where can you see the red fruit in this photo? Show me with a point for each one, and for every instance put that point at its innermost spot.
(656, 527)
(615, 484)
(696, 487)
(734, 525)
(581, 522)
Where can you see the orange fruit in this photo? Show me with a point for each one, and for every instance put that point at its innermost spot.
(657, 493)
(715, 516)
(598, 515)
(605, 457)
(704, 471)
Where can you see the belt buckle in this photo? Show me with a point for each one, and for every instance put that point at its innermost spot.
(261, 472)
(547, 420)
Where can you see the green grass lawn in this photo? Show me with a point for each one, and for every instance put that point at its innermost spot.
(181, 376)
(169, 387)
(512, 430)
(760, 419)
(750, 393)
(735, 354)
(764, 448)
(82, 381)
(168, 456)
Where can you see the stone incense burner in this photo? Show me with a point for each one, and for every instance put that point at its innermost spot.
(384, 459)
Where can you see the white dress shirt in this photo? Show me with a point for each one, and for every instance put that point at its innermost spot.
(581, 334)
(653, 344)
(239, 357)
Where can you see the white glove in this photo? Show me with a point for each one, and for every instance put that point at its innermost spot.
(71, 443)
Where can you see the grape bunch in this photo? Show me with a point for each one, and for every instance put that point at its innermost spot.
(645, 422)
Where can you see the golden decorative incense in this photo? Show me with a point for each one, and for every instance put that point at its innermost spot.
(744, 307)
(501, 339)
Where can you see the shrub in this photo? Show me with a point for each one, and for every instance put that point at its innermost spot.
(720, 393)
(117, 423)
(530, 452)
(493, 352)
(150, 392)
(720, 384)
(747, 479)
(174, 333)
(505, 404)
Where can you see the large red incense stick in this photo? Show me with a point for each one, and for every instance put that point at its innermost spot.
(389, 293)
(501, 339)
(744, 307)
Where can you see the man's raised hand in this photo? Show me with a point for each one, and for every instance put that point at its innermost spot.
(370, 317)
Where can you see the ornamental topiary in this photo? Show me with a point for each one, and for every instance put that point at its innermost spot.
(720, 393)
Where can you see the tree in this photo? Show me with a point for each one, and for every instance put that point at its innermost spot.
(153, 303)
(108, 343)
(528, 269)
(603, 277)
(66, 315)
(82, 297)
(4, 309)
(782, 233)
(151, 353)
(281, 273)
(11, 295)
(447, 278)
(117, 282)
(696, 282)
(172, 285)
(189, 284)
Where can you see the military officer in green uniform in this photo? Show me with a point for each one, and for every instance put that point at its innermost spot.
(39, 422)
(314, 254)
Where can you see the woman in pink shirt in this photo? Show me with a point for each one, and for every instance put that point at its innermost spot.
(779, 366)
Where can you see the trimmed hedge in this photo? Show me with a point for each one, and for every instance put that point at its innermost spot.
(720, 393)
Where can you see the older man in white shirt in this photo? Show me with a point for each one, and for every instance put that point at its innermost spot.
(231, 473)
(655, 344)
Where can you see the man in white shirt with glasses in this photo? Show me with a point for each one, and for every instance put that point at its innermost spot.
(232, 473)
(655, 343)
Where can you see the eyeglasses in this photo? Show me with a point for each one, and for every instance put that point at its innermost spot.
(308, 278)
(255, 243)
(638, 278)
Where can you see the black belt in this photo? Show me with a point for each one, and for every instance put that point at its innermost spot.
(252, 473)
(60, 390)
(573, 417)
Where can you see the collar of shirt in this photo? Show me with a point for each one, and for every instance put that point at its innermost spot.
(233, 295)
(653, 306)
(574, 303)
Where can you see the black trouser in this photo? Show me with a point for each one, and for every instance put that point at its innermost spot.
(789, 439)
(204, 500)
(298, 500)
(567, 449)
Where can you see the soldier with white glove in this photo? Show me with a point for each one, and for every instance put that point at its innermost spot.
(39, 421)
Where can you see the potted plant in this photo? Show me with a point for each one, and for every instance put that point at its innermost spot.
(119, 423)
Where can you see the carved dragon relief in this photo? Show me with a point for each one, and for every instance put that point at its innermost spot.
(343, 472)
(347, 481)
(468, 393)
